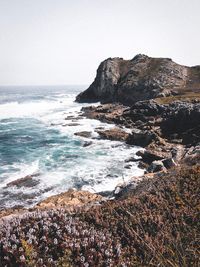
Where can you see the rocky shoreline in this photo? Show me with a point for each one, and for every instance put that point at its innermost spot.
(169, 133)
(153, 219)
(167, 126)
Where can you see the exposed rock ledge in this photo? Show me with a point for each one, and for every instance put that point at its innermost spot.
(169, 132)
(70, 200)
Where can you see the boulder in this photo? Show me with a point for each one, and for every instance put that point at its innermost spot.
(141, 138)
(86, 144)
(156, 166)
(151, 155)
(116, 134)
(85, 134)
(169, 163)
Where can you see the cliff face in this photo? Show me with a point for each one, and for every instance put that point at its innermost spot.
(140, 78)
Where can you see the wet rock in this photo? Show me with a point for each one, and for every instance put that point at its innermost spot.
(133, 159)
(70, 117)
(54, 124)
(71, 124)
(71, 156)
(27, 181)
(85, 134)
(128, 166)
(86, 144)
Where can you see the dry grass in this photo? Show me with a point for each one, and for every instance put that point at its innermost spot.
(186, 96)
(159, 227)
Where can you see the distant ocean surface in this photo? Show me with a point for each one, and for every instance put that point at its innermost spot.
(36, 139)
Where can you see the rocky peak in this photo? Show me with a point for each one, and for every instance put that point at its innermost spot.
(140, 57)
(141, 78)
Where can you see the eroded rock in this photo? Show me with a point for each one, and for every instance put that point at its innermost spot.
(141, 78)
(70, 198)
(116, 134)
(141, 138)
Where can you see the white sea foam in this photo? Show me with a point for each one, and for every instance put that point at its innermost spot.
(34, 108)
(23, 170)
(98, 167)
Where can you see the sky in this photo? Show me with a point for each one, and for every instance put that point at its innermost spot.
(58, 42)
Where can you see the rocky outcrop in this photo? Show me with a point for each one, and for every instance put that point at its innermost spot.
(71, 198)
(141, 78)
(165, 130)
(141, 138)
(116, 134)
(182, 120)
(27, 181)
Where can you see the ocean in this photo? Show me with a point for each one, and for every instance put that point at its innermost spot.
(37, 126)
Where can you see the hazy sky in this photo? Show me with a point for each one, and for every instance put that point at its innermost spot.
(63, 41)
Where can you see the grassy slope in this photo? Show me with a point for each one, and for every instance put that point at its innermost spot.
(157, 224)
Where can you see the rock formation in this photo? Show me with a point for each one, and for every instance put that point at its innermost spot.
(141, 78)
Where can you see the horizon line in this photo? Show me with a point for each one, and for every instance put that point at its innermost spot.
(23, 85)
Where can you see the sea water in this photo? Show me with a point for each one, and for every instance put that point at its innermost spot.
(37, 126)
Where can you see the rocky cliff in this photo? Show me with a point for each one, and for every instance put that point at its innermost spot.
(141, 78)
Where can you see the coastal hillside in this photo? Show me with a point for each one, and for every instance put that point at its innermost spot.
(155, 224)
(141, 78)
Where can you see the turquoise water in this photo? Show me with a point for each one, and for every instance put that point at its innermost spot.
(36, 139)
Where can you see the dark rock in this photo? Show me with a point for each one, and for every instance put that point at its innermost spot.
(85, 134)
(26, 181)
(141, 138)
(86, 144)
(182, 120)
(156, 166)
(143, 165)
(133, 159)
(71, 124)
(169, 163)
(71, 156)
(70, 117)
(151, 155)
(128, 166)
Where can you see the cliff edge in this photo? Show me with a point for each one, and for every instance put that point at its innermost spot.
(141, 78)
